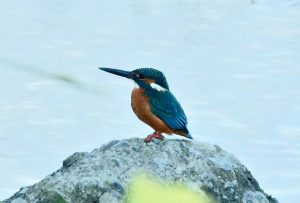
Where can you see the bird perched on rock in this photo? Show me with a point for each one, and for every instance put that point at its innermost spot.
(154, 104)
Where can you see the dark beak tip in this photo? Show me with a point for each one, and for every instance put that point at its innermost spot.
(102, 68)
(118, 72)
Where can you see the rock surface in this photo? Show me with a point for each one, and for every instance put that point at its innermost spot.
(103, 174)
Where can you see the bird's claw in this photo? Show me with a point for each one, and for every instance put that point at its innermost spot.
(154, 135)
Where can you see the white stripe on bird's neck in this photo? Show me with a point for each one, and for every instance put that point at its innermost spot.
(158, 87)
(153, 86)
(136, 85)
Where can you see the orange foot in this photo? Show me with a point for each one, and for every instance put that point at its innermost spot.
(154, 135)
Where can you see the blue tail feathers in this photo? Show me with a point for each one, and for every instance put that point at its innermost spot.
(189, 136)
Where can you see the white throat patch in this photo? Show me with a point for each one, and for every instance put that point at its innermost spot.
(157, 87)
(136, 85)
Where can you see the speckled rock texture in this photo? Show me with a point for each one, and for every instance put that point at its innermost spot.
(103, 174)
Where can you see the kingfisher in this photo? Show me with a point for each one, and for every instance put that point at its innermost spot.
(153, 103)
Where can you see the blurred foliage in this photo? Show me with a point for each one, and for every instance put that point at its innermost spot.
(146, 190)
(66, 78)
(31, 69)
(43, 73)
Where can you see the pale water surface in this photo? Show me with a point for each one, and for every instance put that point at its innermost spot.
(233, 64)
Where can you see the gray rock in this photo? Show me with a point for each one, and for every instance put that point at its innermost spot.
(103, 174)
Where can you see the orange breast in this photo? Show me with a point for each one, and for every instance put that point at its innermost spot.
(141, 108)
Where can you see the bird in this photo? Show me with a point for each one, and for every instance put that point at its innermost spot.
(153, 103)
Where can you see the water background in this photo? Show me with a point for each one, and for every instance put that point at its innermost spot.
(233, 65)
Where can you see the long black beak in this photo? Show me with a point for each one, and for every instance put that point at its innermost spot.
(122, 73)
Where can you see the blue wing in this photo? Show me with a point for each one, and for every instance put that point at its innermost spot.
(165, 106)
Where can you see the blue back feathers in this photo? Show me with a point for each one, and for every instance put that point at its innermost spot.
(165, 106)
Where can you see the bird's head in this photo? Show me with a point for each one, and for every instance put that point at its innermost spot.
(151, 76)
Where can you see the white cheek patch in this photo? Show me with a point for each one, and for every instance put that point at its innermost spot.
(158, 87)
(136, 85)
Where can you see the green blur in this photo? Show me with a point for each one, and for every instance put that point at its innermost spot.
(145, 190)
